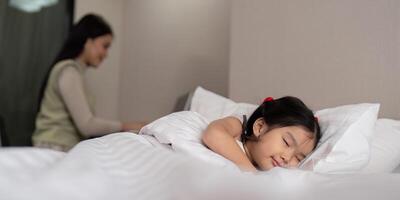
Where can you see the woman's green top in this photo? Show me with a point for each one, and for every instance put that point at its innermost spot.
(54, 123)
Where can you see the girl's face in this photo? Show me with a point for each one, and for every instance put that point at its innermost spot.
(96, 49)
(279, 147)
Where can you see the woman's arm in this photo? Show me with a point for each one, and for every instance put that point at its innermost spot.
(221, 135)
(71, 88)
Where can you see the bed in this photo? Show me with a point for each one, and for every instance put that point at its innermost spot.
(167, 161)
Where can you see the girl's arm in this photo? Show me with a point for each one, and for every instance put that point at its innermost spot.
(221, 135)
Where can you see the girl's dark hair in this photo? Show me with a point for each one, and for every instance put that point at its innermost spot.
(89, 27)
(283, 112)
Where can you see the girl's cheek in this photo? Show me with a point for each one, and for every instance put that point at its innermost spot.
(293, 163)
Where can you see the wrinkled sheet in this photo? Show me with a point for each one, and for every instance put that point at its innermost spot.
(128, 166)
(182, 131)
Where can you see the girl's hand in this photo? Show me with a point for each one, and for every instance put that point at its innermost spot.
(248, 168)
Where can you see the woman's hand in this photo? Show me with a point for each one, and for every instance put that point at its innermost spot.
(133, 126)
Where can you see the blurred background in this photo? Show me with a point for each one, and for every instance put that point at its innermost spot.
(326, 52)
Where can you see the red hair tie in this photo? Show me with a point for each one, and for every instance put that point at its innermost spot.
(268, 99)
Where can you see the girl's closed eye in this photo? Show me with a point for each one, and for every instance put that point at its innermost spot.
(285, 141)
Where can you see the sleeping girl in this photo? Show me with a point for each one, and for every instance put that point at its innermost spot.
(279, 133)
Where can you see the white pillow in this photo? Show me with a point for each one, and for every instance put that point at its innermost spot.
(385, 148)
(213, 106)
(346, 133)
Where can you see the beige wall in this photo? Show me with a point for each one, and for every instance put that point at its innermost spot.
(170, 47)
(326, 52)
(104, 82)
(162, 50)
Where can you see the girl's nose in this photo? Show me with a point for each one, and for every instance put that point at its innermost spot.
(287, 155)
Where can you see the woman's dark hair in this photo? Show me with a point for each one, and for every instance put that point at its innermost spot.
(89, 27)
(283, 112)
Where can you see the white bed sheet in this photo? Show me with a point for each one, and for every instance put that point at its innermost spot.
(127, 166)
(397, 170)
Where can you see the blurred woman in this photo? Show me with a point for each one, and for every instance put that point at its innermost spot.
(66, 106)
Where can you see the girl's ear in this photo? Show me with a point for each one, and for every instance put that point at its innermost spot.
(259, 127)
